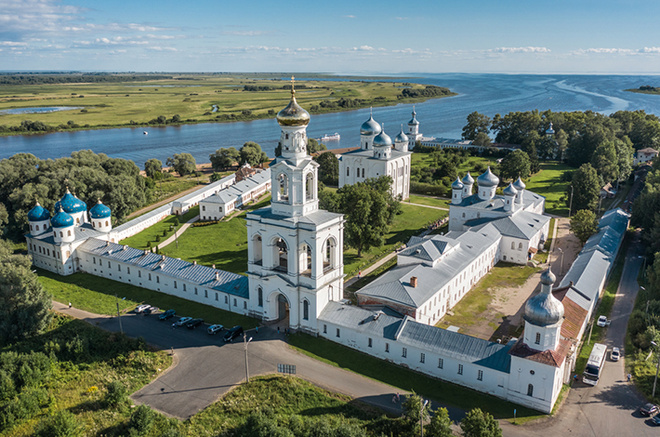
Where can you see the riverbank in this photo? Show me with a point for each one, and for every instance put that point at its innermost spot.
(182, 101)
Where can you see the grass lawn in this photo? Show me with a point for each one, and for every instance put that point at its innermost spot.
(95, 294)
(161, 231)
(349, 359)
(473, 308)
(548, 183)
(431, 201)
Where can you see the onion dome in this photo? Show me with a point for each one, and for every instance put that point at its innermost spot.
(401, 137)
(370, 127)
(544, 309)
(457, 184)
(488, 179)
(99, 211)
(519, 184)
(510, 190)
(382, 140)
(38, 213)
(293, 114)
(468, 179)
(413, 120)
(550, 130)
(61, 219)
(71, 203)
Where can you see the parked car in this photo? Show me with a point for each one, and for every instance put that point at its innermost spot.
(194, 323)
(615, 354)
(167, 315)
(149, 310)
(656, 419)
(602, 321)
(233, 333)
(182, 321)
(142, 308)
(648, 409)
(214, 329)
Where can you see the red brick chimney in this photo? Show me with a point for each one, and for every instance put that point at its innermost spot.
(413, 281)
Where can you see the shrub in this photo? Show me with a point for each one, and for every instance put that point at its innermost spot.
(142, 419)
(61, 424)
(117, 394)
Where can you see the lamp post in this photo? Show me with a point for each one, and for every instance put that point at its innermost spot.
(570, 203)
(121, 329)
(643, 265)
(561, 261)
(246, 341)
(421, 416)
(657, 368)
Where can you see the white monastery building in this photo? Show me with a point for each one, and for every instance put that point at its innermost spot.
(295, 267)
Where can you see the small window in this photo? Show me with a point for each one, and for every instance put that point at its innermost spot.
(387, 347)
(530, 390)
(538, 338)
(139, 273)
(422, 358)
(441, 363)
(370, 342)
(480, 375)
(150, 276)
(184, 287)
(128, 270)
(226, 297)
(203, 207)
(175, 284)
(305, 310)
(235, 303)
(404, 352)
(94, 260)
(348, 171)
(157, 279)
(363, 172)
(325, 329)
(108, 264)
(460, 369)
(338, 333)
(244, 305)
(260, 296)
(68, 233)
(195, 290)
(206, 293)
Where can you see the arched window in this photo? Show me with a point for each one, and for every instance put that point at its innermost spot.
(305, 259)
(520, 247)
(61, 234)
(513, 245)
(260, 296)
(281, 255)
(305, 310)
(329, 254)
(530, 390)
(348, 171)
(106, 223)
(309, 186)
(77, 220)
(538, 338)
(256, 249)
(283, 190)
(68, 233)
(363, 172)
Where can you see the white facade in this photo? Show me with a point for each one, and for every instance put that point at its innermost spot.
(227, 200)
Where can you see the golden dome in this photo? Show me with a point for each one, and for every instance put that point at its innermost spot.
(293, 114)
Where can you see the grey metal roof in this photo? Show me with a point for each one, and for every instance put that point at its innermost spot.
(82, 232)
(522, 224)
(497, 203)
(427, 248)
(316, 218)
(206, 277)
(394, 285)
(587, 273)
(165, 209)
(456, 345)
(361, 320)
(616, 219)
(606, 240)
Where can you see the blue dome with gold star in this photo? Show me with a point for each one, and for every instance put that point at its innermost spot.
(71, 204)
(99, 211)
(61, 220)
(38, 213)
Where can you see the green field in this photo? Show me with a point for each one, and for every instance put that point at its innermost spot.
(99, 295)
(192, 98)
(161, 231)
(548, 183)
(430, 201)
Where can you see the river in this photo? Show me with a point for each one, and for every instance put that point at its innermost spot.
(486, 93)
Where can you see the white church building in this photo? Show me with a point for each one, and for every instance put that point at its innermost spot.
(295, 273)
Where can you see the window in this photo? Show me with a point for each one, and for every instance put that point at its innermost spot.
(226, 299)
(306, 310)
(174, 284)
(206, 293)
(480, 375)
(216, 296)
(387, 347)
(348, 171)
(441, 363)
(139, 273)
(338, 333)
(128, 270)
(195, 290)
(150, 276)
(108, 264)
(203, 207)
(244, 305)
(404, 352)
(184, 288)
(281, 255)
(235, 302)
(68, 233)
(460, 369)
(538, 338)
(530, 390)
(422, 358)
(325, 329)
(256, 249)
(371, 343)
(283, 191)
(513, 245)
(157, 279)
(520, 246)
(309, 186)
(260, 296)
(94, 260)
(363, 172)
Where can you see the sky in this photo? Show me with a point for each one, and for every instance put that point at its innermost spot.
(336, 36)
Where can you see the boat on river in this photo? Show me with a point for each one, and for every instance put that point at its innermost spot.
(333, 137)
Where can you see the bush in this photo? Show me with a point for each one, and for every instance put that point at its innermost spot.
(117, 394)
(428, 189)
(142, 419)
(61, 424)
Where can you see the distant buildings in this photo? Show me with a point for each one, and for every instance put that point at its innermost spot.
(642, 156)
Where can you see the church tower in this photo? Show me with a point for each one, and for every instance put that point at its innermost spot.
(295, 263)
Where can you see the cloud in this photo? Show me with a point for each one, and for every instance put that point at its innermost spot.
(363, 48)
(520, 50)
(12, 44)
(37, 16)
(350, 16)
(616, 51)
(244, 32)
(401, 18)
(650, 50)
(162, 49)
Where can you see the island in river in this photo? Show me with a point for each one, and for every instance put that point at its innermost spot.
(144, 100)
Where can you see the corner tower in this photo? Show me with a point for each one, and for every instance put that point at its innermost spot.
(295, 264)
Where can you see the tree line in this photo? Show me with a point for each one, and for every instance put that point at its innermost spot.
(54, 78)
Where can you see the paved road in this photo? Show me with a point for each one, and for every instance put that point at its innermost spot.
(609, 409)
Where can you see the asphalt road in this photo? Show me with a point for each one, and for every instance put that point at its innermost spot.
(610, 408)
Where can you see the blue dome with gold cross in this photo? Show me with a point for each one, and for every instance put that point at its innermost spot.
(70, 203)
(100, 211)
(61, 219)
(38, 213)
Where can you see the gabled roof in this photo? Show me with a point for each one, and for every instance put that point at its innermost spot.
(522, 224)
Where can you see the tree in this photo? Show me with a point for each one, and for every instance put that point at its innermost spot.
(328, 168)
(476, 123)
(440, 425)
(4, 217)
(224, 158)
(142, 419)
(476, 423)
(586, 189)
(515, 164)
(482, 139)
(624, 154)
(314, 146)
(584, 224)
(415, 410)
(604, 160)
(252, 154)
(61, 424)
(182, 163)
(153, 167)
(25, 309)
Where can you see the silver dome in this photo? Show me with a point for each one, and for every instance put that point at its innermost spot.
(370, 127)
(510, 190)
(544, 309)
(488, 179)
(382, 140)
(468, 179)
(457, 184)
(413, 120)
(401, 137)
(519, 184)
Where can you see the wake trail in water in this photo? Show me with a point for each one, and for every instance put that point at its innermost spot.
(616, 104)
